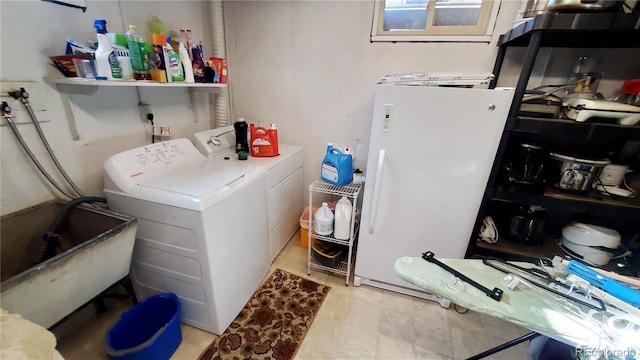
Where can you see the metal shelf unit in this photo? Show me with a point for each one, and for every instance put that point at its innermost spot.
(351, 191)
(553, 30)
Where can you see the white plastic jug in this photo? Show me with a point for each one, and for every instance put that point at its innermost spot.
(323, 221)
(343, 219)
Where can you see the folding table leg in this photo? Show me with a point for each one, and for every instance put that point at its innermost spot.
(504, 346)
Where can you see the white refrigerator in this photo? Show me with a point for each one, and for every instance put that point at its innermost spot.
(430, 155)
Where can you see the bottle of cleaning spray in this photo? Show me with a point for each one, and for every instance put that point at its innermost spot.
(174, 66)
(186, 60)
(107, 65)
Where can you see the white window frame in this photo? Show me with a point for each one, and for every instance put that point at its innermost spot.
(478, 33)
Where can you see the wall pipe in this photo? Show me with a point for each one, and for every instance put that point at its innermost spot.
(7, 115)
(219, 50)
(23, 97)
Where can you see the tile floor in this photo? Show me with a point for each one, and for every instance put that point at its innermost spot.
(353, 323)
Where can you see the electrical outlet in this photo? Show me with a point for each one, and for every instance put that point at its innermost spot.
(144, 109)
(159, 130)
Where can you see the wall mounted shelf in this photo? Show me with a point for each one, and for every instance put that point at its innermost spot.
(79, 86)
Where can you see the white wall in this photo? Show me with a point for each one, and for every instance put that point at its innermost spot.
(108, 123)
(306, 65)
(309, 67)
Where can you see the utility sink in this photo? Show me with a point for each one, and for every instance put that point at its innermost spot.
(94, 252)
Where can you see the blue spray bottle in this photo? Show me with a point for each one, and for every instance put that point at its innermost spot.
(107, 64)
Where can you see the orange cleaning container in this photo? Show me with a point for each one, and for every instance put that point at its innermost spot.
(220, 66)
(263, 142)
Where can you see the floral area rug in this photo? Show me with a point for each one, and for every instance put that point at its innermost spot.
(273, 323)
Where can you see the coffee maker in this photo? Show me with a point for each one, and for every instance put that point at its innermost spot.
(523, 168)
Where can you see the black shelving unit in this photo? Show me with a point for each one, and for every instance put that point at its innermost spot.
(568, 30)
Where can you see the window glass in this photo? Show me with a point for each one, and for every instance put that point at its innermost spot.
(456, 12)
(405, 15)
(434, 20)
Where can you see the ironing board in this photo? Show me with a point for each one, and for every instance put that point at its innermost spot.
(526, 308)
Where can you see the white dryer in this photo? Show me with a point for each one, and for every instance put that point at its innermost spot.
(202, 227)
(285, 180)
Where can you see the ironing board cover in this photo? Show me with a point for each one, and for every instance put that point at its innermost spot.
(535, 310)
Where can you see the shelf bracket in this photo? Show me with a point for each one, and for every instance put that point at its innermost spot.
(78, 89)
(63, 91)
(68, 112)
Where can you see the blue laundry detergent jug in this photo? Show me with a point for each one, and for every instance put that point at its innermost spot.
(337, 167)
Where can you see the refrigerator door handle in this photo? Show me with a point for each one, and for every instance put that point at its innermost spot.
(376, 192)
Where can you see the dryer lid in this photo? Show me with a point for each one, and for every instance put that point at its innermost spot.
(201, 178)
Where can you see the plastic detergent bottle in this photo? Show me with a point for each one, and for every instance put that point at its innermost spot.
(273, 133)
(107, 65)
(347, 151)
(174, 66)
(337, 167)
(240, 127)
(263, 142)
(323, 220)
(197, 64)
(342, 227)
(137, 54)
(159, 70)
(126, 69)
(156, 26)
(186, 60)
(174, 41)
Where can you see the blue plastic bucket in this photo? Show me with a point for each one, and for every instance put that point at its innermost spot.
(150, 330)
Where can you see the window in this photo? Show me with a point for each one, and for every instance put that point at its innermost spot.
(434, 20)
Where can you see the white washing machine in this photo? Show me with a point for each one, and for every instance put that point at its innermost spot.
(285, 180)
(202, 227)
